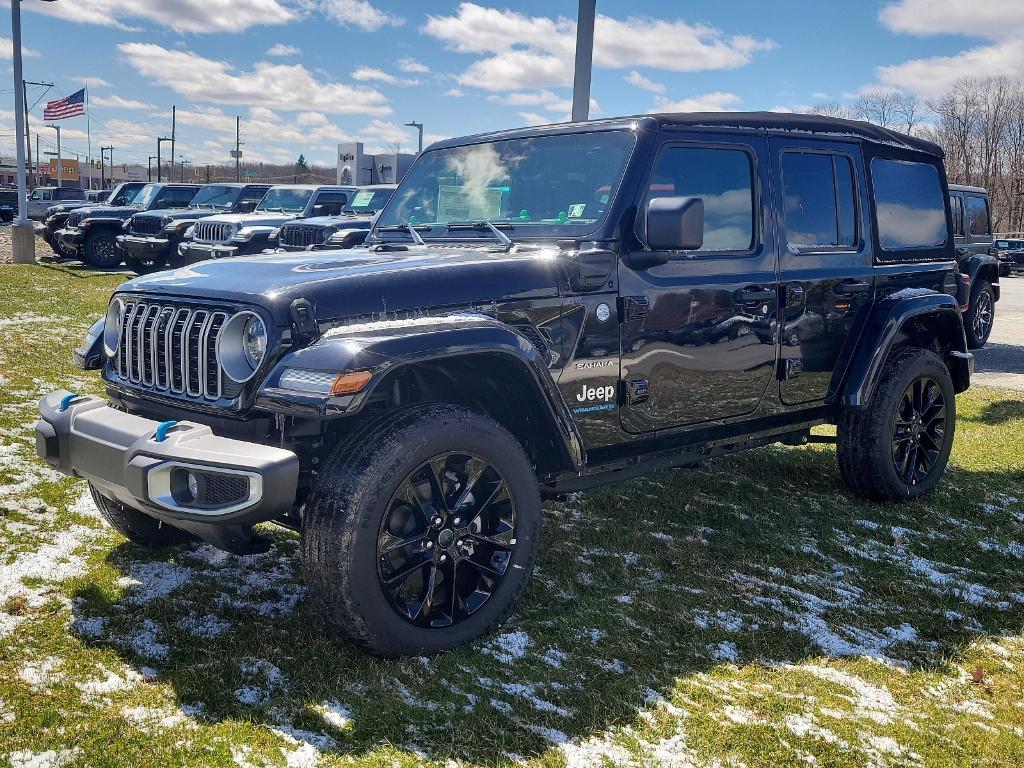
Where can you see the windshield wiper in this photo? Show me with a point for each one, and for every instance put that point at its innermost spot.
(410, 228)
(483, 226)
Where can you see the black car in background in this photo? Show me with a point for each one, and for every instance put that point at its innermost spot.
(8, 205)
(150, 240)
(1010, 253)
(972, 232)
(57, 215)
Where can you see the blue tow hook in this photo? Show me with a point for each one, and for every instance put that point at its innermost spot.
(161, 431)
(66, 401)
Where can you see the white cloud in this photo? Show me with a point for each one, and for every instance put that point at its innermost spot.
(455, 93)
(1001, 21)
(985, 18)
(643, 83)
(411, 65)
(719, 101)
(7, 50)
(272, 85)
(543, 98)
(119, 102)
(365, 74)
(282, 50)
(519, 51)
(92, 82)
(532, 118)
(357, 13)
(198, 16)
(933, 76)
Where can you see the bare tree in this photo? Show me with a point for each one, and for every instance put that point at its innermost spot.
(832, 109)
(878, 107)
(908, 109)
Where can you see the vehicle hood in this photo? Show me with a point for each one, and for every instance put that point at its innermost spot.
(251, 219)
(333, 221)
(181, 214)
(70, 206)
(107, 211)
(361, 282)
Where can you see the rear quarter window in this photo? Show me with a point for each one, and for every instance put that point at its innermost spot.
(910, 207)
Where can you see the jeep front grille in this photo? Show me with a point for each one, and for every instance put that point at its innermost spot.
(302, 235)
(213, 232)
(146, 225)
(172, 349)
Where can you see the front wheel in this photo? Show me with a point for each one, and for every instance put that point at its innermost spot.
(101, 250)
(61, 251)
(135, 526)
(145, 265)
(422, 536)
(898, 446)
(980, 315)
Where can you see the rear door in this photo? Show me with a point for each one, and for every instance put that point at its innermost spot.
(826, 275)
(698, 332)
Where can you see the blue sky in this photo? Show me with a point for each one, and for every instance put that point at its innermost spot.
(305, 74)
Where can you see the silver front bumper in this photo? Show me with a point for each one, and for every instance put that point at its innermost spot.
(134, 460)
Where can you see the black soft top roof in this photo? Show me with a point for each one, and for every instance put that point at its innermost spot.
(768, 122)
(783, 122)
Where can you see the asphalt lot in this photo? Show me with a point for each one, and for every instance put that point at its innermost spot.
(1001, 362)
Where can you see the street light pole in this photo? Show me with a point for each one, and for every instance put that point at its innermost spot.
(584, 60)
(60, 161)
(159, 170)
(22, 236)
(149, 167)
(419, 127)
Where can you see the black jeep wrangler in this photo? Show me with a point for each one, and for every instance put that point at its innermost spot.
(536, 311)
(151, 238)
(976, 254)
(57, 215)
(91, 233)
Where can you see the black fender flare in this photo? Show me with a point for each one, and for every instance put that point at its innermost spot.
(386, 347)
(979, 263)
(892, 319)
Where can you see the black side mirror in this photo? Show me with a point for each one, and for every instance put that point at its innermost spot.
(675, 223)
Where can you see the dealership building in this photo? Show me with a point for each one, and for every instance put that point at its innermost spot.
(357, 167)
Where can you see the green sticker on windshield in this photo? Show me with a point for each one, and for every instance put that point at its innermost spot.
(362, 199)
(576, 210)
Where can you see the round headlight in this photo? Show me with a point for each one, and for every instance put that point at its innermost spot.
(242, 345)
(254, 341)
(112, 327)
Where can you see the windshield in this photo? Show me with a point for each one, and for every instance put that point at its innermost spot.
(286, 199)
(40, 194)
(215, 196)
(370, 200)
(543, 185)
(146, 195)
(125, 192)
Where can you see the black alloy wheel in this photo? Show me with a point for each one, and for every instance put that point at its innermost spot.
(984, 312)
(446, 540)
(919, 432)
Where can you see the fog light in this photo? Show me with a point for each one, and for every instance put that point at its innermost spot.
(193, 486)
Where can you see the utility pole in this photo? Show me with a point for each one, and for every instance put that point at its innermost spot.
(584, 60)
(159, 169)
(103, 156)
(38, 153)
(174, 134)
(149, 167)
(60, 160)
(419, 127)
(237, 154)
(34, 177)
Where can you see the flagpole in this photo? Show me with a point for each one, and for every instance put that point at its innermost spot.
(88, 133)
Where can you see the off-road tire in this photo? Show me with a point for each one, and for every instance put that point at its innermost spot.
(145, 267)
(346, 507)
(60, 250)
(865, 437)
(97, 253)
(137, 527)
(982, 296)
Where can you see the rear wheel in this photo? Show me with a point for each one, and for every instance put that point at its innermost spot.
(137, 527)
(423, 536)
(101, 250)
(898, 446)
(60, 250)
(980, 315)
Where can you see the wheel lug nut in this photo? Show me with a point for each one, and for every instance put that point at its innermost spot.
(436, 521)
(456, 521)
(443, 558)
(430, 545)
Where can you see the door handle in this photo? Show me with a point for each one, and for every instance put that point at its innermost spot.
(754, 295)
(850, 287)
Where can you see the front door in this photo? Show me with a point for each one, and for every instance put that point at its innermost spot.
(826, 275)
(698, 332)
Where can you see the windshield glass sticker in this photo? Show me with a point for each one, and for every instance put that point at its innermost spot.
(362, 198)
(468, 203)
(576, 210)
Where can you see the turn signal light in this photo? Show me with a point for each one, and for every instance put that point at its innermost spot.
(350, 383)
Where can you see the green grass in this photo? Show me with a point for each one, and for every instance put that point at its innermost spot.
(750, 612)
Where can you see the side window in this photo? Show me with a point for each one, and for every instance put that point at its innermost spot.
(977, 216)
(177, 198)
(956, 210)
(908, 203)
(723, 178)
(818, 191)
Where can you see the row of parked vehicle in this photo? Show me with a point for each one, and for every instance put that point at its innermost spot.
(153, 226)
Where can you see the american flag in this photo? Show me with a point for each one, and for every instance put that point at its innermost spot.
(69, 106)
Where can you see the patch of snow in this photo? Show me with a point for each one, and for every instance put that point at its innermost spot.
(49, 759)
(111, 682)
(40, 674)
(910, 293)
(871, 702)
(527, 692)
(807, 725)
(624, 600)
(615, 665)
(145, 643)
(149, 581)
(335, 714)
(1011, 548)
(508, 647)
(739, 715)
(554, 658)
(384, 325)
(726, 651)
(208, 626)
(153, 720)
